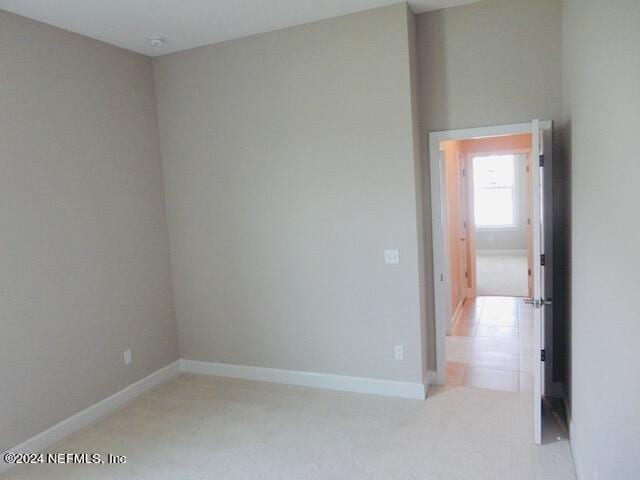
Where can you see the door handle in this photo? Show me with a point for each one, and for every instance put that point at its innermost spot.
(537, 302)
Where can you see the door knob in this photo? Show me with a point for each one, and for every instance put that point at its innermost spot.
(535, 302)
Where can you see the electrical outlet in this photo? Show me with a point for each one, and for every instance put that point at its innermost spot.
(391, 256)
(399, 352)
(127, 357)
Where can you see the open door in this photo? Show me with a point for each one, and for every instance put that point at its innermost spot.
(542, 280)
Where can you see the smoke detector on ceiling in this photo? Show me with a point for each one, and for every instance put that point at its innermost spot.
(157, 41)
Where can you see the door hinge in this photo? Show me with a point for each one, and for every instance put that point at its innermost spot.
(543, 355)
(542, 160)
(529, 272)
(464, 224)
(466, 274)
(542, 260)
(464, 172)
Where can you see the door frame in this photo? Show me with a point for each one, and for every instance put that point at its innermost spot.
(463, 193)
(439, 222)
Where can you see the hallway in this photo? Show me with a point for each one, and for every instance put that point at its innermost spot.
(491, 345)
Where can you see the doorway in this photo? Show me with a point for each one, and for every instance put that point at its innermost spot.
(490, 212)
(489, 341)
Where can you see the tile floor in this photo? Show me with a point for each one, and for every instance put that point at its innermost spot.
(491, 345)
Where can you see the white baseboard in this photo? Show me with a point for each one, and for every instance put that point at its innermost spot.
(373, 386)
(560, 389)
(308, 379)
(501, 253)
(575, 451)
(88, 415)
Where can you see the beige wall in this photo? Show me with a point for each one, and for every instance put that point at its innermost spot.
(84, 266)
(289, 167)
(601, 94)
(488, 63)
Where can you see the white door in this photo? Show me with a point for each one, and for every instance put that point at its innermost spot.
(541, 286)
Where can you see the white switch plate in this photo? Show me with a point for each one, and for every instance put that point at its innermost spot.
(399, 352)
(391, 256)
(127, 357)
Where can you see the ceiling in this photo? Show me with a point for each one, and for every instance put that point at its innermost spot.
(190, 23)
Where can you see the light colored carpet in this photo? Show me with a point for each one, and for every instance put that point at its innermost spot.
(196, 427)
(501, 275)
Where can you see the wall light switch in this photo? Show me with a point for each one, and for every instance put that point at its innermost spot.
(391, 256)
(127, 357)
(398, 352)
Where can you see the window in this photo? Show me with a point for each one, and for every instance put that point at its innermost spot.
(494, 191)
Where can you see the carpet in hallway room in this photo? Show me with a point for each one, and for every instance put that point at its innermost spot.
(196, 427)
(501, 275)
